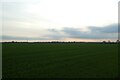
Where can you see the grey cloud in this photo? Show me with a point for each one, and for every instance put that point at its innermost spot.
(7, 37)
(113, 28)
(71, 30)
(106, 32)
(49, 37)
(109, 31)
(55, 34)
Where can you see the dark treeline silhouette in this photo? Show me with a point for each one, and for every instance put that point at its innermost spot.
(103, 42)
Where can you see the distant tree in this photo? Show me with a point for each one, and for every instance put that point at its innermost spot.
(104, 41)
(12, 41)
(118, 41)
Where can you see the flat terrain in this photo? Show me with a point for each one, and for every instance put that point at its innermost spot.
(59, 60)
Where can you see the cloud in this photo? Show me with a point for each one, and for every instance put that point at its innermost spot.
(106, 32)
(7, 37)
(113, 28)
(95, 32)
(71, 31)
(53, 30)
(55, 34)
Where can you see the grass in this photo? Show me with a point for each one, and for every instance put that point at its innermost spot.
(58, 60)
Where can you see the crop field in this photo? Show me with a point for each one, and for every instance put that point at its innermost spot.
(59, 60)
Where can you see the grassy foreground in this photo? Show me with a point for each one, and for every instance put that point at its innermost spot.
(58, 60)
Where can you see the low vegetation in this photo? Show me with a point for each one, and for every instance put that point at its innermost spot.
(60, 60)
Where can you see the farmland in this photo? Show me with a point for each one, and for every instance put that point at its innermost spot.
(59, 60)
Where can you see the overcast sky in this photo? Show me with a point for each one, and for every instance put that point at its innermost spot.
(66, 20)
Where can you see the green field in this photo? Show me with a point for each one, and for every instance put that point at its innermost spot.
(58, 60)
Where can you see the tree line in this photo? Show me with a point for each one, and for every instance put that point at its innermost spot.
(105, 42)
